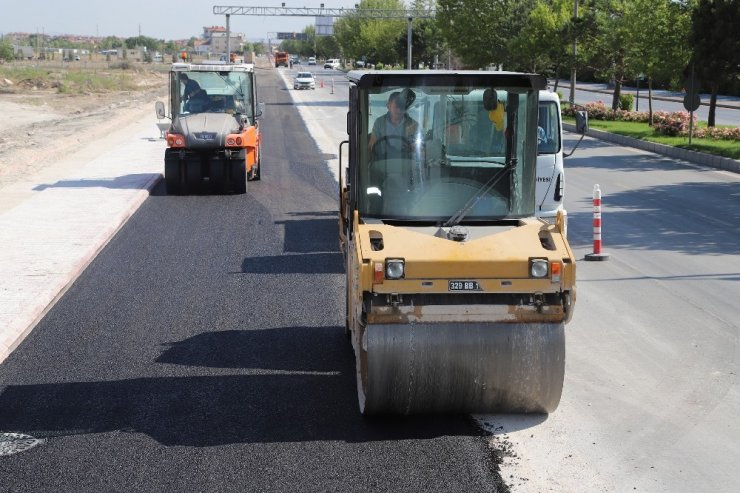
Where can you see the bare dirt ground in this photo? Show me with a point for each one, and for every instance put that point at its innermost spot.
(39, 125)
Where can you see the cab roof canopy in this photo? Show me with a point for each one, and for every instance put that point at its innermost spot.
(379, 78)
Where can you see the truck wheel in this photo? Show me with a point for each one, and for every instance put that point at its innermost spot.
(173, 177)
(238, 176)
(217, 170)
(193, 178)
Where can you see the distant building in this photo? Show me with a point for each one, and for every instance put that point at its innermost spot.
(218, 42)
(201, 47)
(208, 31)
(214, 41)
(25, 52)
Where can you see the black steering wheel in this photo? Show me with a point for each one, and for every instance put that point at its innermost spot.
(407, 145)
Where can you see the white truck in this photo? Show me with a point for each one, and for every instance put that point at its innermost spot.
(550, 171)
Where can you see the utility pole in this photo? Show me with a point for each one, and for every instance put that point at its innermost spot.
(228, 39)
(575, 52)
(408, 44)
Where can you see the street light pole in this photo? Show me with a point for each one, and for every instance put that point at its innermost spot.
(228, 39)
(575, 52)
(637, 103)
(408, 44)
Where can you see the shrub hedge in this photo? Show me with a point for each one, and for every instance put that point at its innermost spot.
(672, 124)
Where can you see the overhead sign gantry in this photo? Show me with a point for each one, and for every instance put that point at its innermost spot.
(324, 11)
(409, 14)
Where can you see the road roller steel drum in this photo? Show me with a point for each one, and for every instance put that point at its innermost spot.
(457, 296)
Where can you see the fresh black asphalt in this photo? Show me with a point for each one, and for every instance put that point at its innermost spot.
(204, 350)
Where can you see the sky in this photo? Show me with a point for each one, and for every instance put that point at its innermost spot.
(167, 20)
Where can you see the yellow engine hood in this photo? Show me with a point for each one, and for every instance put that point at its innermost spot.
(497, 256)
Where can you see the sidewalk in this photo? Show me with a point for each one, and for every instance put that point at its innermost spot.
(729, 102)
(53, 225)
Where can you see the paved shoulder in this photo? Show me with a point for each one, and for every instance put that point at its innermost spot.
(59, 226)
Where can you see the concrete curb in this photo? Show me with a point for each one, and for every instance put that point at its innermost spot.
(719, 162)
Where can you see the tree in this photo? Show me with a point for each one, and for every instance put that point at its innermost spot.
(538, 46)
(479, 31)
(111, 42)
(258, 47)
(150, 43)
(659, 29)
(427, 42)
(716, 41)
(171, 47)
(6, 51)
(611, 54)
(375, 39)
(327, 47)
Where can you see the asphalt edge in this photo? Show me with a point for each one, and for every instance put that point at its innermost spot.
(719, 162)
(12, 342)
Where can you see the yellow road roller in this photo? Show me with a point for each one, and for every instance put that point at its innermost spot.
(457, 295)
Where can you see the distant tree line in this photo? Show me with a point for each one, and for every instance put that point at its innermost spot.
(617, 41)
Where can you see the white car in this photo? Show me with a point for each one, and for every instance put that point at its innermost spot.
(333, 63)
(312, 60)
(304, 80)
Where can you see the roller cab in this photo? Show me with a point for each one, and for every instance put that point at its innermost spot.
(213, 142)
(457, 295)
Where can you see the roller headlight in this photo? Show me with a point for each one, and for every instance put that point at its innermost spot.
(539, 268)
(175, 140)
(394, 268)
(233, 140)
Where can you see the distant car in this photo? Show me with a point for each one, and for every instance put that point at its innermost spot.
(333, 63)
(296, 61)
(77, 58)
(312, 60)
(304, 80)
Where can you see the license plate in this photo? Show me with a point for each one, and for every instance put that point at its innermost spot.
(464, 286)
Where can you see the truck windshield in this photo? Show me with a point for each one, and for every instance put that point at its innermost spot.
(212, 92)
(447, 154)
(548, 131)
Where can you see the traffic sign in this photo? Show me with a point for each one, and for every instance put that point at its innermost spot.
(691, 101)
(296, 36)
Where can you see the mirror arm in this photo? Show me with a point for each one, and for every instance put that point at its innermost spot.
(575, 146)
